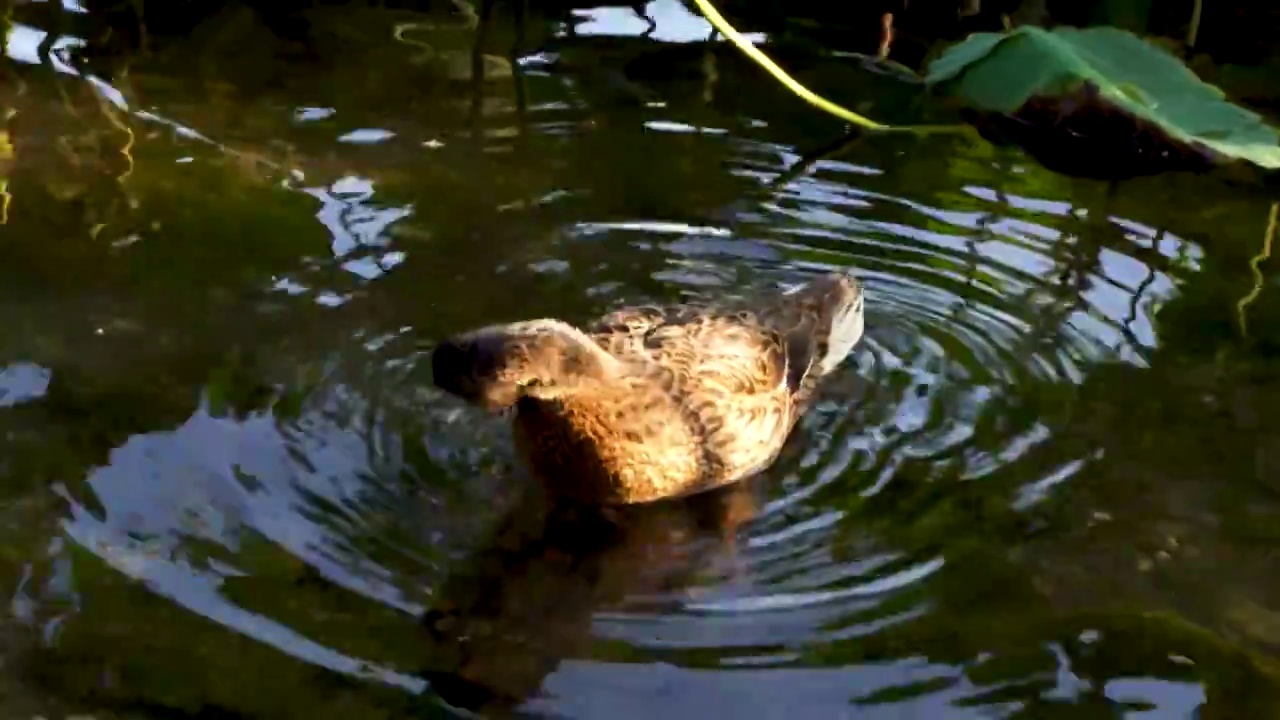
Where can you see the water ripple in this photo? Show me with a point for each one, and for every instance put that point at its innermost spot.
(930, 447)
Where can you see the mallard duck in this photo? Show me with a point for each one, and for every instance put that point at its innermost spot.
(653, 402)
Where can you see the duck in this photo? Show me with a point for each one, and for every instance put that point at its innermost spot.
(650, 402)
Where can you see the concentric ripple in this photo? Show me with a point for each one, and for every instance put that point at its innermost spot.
(982, 310)
(922, 453)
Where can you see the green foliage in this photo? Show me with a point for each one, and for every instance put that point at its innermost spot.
(1002, 72)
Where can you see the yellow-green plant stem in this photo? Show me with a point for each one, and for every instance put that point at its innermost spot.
(469, 17)
(719, 23)
(1254, 263)
(1193, 28)
(724, 28)
(7, 152)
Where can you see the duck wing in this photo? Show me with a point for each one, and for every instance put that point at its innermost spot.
(791, 337)
(723, 348)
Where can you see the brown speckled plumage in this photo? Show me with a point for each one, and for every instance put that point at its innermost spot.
(653, 402)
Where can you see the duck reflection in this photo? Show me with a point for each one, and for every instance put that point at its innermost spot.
(526, 600)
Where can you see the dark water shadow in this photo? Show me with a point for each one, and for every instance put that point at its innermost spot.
(527, 599)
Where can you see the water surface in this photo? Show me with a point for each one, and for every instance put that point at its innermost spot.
(1042, 486)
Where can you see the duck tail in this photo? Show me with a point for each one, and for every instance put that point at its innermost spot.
(496, 365)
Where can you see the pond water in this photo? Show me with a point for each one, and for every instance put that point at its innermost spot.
(1044, 485)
